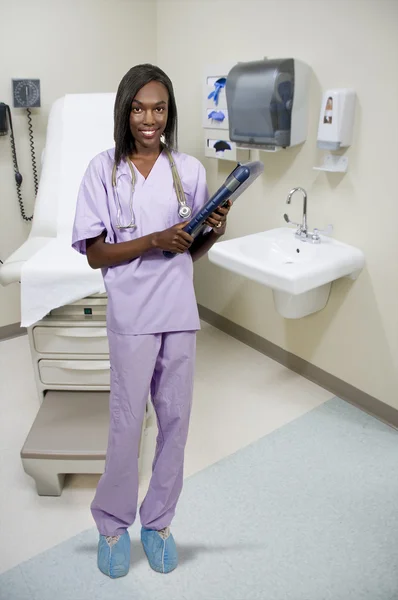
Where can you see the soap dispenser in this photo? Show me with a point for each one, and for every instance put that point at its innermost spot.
(336, 125)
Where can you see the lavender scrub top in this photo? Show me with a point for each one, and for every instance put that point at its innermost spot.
(150, 294)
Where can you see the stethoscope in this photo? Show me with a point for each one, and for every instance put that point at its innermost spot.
(184, 210)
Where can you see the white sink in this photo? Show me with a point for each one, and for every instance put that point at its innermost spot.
(300, 273)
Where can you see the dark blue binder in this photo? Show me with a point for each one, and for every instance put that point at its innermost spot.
(235, 184)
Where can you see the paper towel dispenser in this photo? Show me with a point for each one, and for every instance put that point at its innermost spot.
(268, 103)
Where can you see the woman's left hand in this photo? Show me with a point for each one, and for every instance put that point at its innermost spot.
(218, 220)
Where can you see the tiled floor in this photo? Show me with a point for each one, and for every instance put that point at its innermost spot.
(240, 396)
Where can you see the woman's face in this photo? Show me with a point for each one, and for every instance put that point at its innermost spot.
(148, 116)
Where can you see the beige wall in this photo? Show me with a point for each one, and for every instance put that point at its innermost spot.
(88, 45)
(351, 43)
(71, 46)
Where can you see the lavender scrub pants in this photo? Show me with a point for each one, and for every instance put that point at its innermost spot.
(164, 365)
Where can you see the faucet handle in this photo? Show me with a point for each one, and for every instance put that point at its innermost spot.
(327, 231)
(286, 217)
(315, 237)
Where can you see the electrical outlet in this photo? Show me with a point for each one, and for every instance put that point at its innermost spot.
(26, 93)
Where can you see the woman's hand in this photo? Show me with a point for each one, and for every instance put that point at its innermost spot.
(173, 239)
(218, 219)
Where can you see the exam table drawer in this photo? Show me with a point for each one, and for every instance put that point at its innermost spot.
(71, 340)
(75, 372)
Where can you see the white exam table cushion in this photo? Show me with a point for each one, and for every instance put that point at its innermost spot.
(52, 274)
(12, 268)
(55, 276)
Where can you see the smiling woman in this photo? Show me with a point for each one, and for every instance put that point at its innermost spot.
(132, 205)
(148, 117)
(144, 92)
(148, 121)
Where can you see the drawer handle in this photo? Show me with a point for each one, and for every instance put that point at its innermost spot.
(84, 366)
(75, 333)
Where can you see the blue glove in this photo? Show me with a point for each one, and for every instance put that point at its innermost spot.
(218, 86)
(217, 115)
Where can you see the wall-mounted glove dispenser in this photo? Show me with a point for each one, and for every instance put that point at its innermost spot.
(216, 119)
(215, 115)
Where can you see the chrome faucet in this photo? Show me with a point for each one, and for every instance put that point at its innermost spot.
(302, 229)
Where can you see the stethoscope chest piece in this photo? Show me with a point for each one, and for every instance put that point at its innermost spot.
(184, 211)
